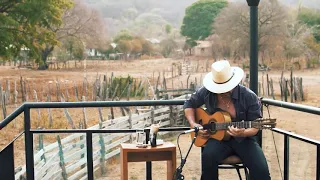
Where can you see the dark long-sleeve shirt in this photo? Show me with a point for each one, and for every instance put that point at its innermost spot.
(246, 102)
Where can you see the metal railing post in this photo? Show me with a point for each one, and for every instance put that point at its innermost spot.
(148, 163)
(286, 158)
(28, 144)
(89, 155)
(254, 51)
(318, 163)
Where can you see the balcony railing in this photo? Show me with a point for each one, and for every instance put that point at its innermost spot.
(7, 159)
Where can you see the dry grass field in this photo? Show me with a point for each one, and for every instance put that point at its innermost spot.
(302, 156)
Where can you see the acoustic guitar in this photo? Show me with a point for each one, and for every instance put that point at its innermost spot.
(218, 123)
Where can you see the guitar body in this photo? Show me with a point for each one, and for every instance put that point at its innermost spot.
(202, 117)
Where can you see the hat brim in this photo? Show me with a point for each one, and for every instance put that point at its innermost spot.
(209, 84)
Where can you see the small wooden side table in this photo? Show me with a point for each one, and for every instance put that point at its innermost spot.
(164, 152)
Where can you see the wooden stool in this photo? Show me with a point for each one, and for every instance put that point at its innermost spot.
(164, 152)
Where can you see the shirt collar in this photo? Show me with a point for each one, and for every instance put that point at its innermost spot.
(235, 92)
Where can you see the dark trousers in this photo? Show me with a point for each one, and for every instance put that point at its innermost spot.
(248, 150)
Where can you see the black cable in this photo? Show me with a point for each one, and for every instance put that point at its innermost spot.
(177, 173)
(179, 146)
(274, 142)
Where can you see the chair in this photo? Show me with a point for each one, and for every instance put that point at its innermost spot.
(234, 162)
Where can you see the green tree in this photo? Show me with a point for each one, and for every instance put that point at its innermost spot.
(312, 19)
(168, 28)
(197, 22)
(123, 35)
(26, 24)
(125, 47)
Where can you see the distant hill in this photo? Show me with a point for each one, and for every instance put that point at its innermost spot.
(120, 14)
(148, 17)
(315, 4)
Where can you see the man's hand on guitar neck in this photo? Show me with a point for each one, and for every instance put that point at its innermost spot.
(236, 132)
(202, 133)
(241, 132)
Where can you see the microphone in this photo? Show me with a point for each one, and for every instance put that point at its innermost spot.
(195, 129)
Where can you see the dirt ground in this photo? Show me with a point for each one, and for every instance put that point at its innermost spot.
(302, 155)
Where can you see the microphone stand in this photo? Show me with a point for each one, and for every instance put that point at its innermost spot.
(178, 175)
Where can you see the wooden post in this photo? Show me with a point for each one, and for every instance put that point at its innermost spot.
(207, 65)
(62, 163)
(291, 85)
(25, 89)
(66, 112)
(281, 86)
(4, 108)
(187, 81)
(262, 85)
(152, 115)
(171, 116)
(271, 88)
(49, 112)
(268, 91)
(22, 90)
(102, 150)
(295, 89)
(164, 83)
(76, 92)
(8, 97)
(301, 89)
(15, 100)
(41, 146)
(38, 110)
(58, 94)
(82, 146)
(66, 89)
(286, 91)
(158, 81)
(84, 114)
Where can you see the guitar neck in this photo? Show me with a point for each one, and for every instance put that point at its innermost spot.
(224, 125)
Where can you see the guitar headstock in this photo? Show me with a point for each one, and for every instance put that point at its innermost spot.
(264, 123)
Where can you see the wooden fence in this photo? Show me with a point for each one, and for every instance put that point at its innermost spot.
(66, 158)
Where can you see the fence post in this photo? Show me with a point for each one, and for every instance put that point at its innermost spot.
(41, 146)
(62, 163)
(171, 116)
(84, 113)
(102, 151)
(4, 108)
(152, 115)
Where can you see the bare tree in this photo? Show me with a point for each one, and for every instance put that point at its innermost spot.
(294, 44)
(81, 22)
(232, 25)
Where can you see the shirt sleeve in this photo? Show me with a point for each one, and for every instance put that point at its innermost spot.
(196, 100)
(254, 109)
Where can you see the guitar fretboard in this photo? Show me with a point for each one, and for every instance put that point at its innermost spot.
(224, 125)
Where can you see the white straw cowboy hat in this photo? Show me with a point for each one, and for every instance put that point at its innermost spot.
(222, 77)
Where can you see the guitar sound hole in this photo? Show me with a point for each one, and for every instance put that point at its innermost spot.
(212, 127)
